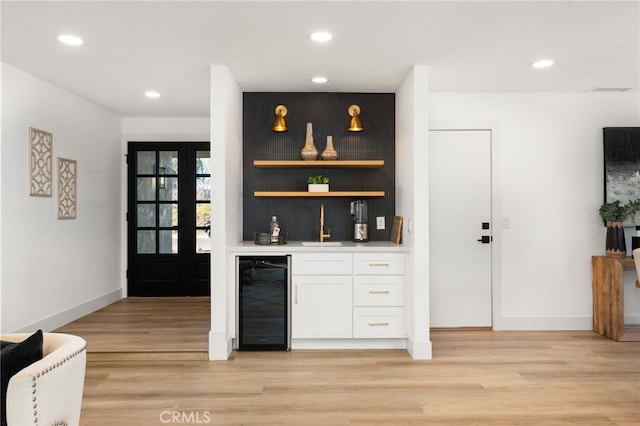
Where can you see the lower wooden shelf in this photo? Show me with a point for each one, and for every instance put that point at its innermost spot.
(318, 194)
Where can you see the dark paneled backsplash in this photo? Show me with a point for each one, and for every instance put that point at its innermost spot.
(300, 217)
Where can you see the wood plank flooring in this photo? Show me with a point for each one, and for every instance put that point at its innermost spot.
(475, 378)
(147, 328)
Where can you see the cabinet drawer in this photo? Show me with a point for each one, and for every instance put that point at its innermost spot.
(378, 323)
(378, 290)
(378, 263)
(321, 264)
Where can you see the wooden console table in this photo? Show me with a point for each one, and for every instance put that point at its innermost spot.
(608, 299)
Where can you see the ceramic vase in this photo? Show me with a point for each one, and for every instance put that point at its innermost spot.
(329, 152)
(616, 246)
(309, 151)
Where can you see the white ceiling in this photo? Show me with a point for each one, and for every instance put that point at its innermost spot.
(168, 46)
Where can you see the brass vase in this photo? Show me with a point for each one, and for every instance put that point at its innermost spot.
(329, 152)
(309, 151)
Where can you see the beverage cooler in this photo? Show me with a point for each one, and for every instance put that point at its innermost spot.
(263, 310)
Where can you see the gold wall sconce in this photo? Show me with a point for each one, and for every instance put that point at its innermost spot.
(279, 124)
(355, 124)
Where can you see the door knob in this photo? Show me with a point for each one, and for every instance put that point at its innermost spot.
(485, 239)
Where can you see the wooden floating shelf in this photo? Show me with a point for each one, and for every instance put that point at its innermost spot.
(281, 164)
(318, 194)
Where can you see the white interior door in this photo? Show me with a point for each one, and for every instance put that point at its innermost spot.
(460, 206)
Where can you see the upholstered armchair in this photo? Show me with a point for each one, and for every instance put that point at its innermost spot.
(49, 391)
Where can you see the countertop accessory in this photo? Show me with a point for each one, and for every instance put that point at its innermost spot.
(279, 124)
(264, 238)
(396, 230)
(355, 124)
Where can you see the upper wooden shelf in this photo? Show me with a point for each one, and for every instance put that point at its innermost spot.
(281, 164)
(318, 194)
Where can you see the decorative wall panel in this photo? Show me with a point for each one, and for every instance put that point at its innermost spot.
(67, 188)
(40, 153)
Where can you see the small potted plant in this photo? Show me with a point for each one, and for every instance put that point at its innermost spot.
(614, 214)
(318, 183)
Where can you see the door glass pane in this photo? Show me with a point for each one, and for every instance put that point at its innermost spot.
(203, 214)
(168, 215)
(203, 241)
(146, 215)
(203, 163)
(146, 162)
(146, 242)
(168, 162)
(146, 189)
(168, 242)
(203, 189)
(170, 190)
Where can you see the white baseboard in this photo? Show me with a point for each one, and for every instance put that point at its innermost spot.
(220, 346)
(419, 350)
(540, 323)
(72, 314)
(348, 344)
(632, 319)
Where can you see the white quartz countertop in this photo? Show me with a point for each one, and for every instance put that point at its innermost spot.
(302, 247)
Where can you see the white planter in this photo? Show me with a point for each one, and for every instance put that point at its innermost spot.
(318, 187)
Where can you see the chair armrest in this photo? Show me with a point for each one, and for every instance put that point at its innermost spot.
(49, 391)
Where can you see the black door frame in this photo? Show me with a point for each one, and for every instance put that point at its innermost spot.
(186, 273)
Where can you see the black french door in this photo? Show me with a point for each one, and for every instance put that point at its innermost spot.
(168, 219)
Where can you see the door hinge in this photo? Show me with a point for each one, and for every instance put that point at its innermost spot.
(126, 273)
(126, 217)
(126, 159)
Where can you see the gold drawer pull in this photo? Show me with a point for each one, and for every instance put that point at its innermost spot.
(379, 264)
(378, 324)
(378, 291)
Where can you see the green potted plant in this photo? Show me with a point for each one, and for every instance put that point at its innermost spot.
(614, 214)
(318, 183)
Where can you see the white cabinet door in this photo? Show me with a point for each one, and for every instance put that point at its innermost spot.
(321, 307)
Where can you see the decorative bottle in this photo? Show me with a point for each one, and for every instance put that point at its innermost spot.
(329, 152)
(309, 150)
(275, 230)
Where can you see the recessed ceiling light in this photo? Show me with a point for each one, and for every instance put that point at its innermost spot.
(544, 63)
(70, 40)
(152, 94)
(320, 36)
(320, 80)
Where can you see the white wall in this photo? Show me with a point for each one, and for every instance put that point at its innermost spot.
(412, 137)
(551, 185)
(226, 215)
(173, 129)
(54, 271)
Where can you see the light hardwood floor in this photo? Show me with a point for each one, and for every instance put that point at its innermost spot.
(475, 378)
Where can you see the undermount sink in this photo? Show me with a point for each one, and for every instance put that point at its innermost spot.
(323, 244)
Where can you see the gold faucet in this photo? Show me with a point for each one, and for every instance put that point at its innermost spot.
(322, 234)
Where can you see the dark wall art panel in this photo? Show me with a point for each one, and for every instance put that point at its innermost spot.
(328, 113)
(622, 166)
(621, 163)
